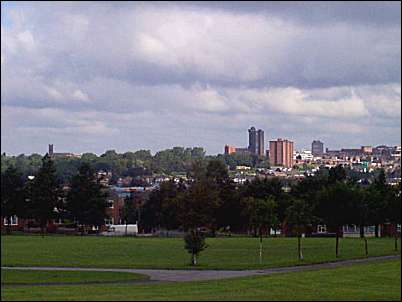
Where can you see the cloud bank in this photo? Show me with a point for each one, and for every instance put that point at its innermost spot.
(124, 76)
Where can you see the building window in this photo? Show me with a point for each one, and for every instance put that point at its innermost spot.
(14, 220)
(109, 221)
(321, 228)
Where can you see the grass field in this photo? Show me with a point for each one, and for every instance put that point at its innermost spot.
(29, 277)
(374, 281)
(222, 253)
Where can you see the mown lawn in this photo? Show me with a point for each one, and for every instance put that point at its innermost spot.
(29, 277)
(222, 253)
(374, 281)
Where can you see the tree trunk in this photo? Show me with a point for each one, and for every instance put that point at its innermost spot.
(260, 246)
(376, 231)
(254, 232)
(337, 243)
(126, 229)
(396, 238)
(299, 248)
(9, 225)
(365, 245)
(42, 229)
(193, 259)
(361, 231)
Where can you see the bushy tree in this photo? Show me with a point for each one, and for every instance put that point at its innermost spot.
(299, 218)
(45, 193)
(378, 195)
(336, 174)
(12, 195)
(217, 172)
(161, 202)
(87, 200)
(129, 212)
(361, 212)
(198, 205)
(394, 210)
(194, 243)
(262, 215)
(335, 207)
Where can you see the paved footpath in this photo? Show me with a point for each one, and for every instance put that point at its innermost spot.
(165, 275)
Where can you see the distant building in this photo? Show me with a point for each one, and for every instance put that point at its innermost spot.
(304, 155)
(352, 152)
(52, 154)
(252, 140)
(317, 148)
(256, 141)
(260, 142)
(242, 150)
(230, 149)
(367, 149)
(281, 153)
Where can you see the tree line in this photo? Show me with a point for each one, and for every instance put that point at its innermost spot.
(134, 164)
(210, 201)
(42, 198)
(214, 202)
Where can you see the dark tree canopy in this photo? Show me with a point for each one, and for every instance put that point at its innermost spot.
(46, 192)
(86, 200)
(12, 194)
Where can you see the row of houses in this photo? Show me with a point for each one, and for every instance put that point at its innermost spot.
(114, 214)
(116, 199)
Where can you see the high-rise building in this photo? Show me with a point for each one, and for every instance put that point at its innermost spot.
(50, 149)
(260, 142)
(317, 148)
(256, 141)
(281, 153)
(252, 140)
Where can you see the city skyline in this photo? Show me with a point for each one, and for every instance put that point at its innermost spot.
(130, 76)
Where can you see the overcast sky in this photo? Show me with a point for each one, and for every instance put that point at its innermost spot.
(90, 77)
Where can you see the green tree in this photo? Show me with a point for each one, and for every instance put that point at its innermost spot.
(129, 212)
(12, 195)
(86, 200)
(335, 207)
(45, 193)
(262, 215)
(299, 218)
(263, 188)
(89, 157)
(394, 211)
(194, 243)
(230, 212)
(337, 174)
(155, 209)
(197, 170)
(361, 206)
(217, 172)
(198, 205)
(378, 193)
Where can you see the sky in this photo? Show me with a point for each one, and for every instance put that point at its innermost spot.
(96, 76)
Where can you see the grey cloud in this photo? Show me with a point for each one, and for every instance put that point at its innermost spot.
(199, 74)
(179, 44)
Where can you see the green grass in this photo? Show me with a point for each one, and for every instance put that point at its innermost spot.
(29, 277)
(222, 253)
(374, 281)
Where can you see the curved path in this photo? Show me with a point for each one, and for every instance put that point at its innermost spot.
(197, 275)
